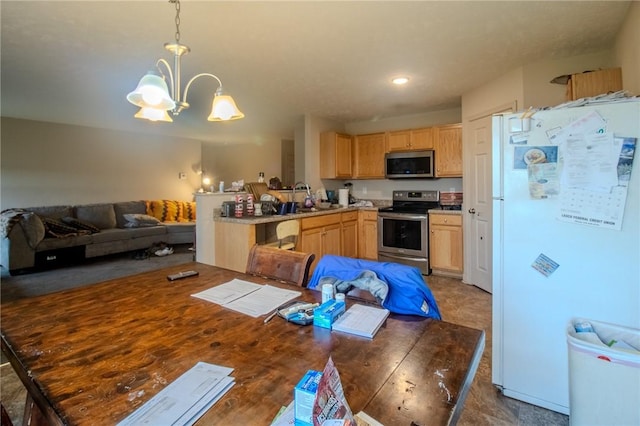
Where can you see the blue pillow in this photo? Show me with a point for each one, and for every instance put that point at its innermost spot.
(408, 293)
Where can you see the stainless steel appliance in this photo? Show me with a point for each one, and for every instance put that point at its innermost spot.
(403, 229)
(409, 164)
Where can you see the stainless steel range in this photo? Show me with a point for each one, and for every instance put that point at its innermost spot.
(403, 229)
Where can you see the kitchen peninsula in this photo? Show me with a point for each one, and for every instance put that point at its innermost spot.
(324, 231)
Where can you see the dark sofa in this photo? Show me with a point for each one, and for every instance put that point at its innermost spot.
(38, 237)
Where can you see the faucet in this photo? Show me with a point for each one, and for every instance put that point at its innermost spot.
(294, 190)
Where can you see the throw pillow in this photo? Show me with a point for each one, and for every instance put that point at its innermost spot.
(135, 220)
(79, 224)
(164, 210)
(187, 211)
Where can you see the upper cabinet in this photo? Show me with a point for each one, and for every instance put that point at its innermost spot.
(335, 156)
(410, 140)
(368, 151)
(448, 150)
(344, 156)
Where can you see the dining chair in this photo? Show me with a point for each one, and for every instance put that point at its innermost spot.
(287, 233)
(283, 265)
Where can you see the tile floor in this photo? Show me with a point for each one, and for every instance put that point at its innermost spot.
(459, 303)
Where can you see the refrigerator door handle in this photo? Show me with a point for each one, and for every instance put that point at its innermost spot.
(472, 211)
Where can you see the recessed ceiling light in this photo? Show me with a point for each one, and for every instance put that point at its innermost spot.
(400, 80)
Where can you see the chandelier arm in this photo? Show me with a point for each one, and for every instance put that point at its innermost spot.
(186, 89)
(166, 64)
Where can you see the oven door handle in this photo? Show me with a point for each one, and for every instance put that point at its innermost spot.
(394, 256)
(405, 216)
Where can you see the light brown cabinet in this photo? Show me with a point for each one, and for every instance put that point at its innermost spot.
(369, 153)
(335, 155)
(594, 83)
(445, 244)
(410, 140)
(349, 246)
(368, 234)
(321, 235)
(448, 150)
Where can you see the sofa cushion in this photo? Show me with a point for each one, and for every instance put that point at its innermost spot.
(79, 224)
(118, 234)
(140, 220)
(101, 215)
(69, 241)
(128, 207)
(55, 212)
(176, 228)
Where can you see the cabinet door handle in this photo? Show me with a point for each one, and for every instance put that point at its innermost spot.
(472, 211)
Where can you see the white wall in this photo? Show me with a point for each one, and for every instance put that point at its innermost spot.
(234, 162)
(627, 50)
(51, 164)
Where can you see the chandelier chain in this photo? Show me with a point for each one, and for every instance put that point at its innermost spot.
(177, 3)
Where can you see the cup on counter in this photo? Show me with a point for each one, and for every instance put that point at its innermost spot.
(282, 209)
(292, 207)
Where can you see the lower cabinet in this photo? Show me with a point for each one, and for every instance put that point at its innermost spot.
(349, 246)
(445, 244)
(321, 235)
(368, 236)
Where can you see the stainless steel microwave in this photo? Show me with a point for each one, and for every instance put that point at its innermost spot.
(409, 164)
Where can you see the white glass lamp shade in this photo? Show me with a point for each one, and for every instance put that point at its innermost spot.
(154, 114)
(152, 92)
(224, 108)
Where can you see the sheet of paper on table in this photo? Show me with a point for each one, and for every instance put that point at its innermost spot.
(186, 399)
(248, 298)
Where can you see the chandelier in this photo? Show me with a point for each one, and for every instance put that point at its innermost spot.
(154, 99)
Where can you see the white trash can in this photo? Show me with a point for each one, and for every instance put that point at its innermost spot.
(604, 373)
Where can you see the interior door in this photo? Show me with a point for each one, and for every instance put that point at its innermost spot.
(478, 205)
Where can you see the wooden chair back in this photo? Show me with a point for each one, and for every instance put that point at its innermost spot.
(283, 265)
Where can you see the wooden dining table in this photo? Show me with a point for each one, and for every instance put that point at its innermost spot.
(94, 354)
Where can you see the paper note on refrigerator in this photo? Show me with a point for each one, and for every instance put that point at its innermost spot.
(601, 209)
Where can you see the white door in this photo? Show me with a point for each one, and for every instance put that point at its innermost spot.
(478, 204)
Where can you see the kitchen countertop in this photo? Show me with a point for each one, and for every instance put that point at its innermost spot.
(252, 220)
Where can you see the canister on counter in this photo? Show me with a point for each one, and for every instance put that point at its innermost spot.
(250, 208)
(239, 206)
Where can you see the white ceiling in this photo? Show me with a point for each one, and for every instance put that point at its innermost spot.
(74, 62)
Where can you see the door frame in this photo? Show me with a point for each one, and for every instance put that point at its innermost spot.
(470, 276)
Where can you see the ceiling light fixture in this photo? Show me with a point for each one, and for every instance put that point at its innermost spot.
(400, 80)
(152, 94)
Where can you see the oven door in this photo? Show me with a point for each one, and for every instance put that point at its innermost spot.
(403, 234)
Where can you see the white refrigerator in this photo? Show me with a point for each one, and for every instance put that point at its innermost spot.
(566, 239)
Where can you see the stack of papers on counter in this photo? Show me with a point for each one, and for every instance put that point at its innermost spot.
(185, 400)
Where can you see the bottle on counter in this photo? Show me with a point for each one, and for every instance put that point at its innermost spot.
(221, 187)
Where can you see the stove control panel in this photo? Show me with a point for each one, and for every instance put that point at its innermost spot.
(430, 196)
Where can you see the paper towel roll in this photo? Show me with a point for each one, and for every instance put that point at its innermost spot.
(343, 197)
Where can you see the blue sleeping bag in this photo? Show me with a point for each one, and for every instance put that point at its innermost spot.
(408, 293)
